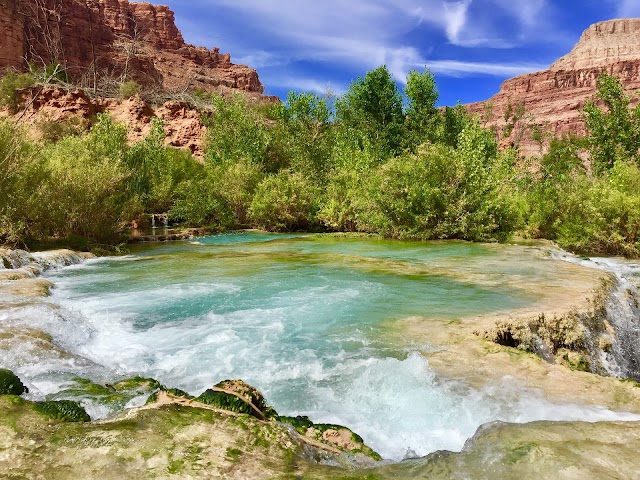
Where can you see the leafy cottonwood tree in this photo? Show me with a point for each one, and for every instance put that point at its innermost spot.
(614, 132)
(373, 107)
(423, 122)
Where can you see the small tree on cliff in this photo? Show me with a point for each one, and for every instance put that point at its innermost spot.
(614, 132)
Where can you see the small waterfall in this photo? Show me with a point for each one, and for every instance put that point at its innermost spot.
(39, 262)
(159, 220)
(623, 312)
(621, 358)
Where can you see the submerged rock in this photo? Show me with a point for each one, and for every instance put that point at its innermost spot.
(10, 384)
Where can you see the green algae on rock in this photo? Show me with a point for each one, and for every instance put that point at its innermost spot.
(64, 410)
(334, 435)
(239, 397)
(10, 384)
(115, 396)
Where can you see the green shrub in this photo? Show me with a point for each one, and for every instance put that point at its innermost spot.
(285, 202)
(129, 89)
(10, 86)
(52, 131)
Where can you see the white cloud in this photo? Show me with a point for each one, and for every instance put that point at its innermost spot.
(455, 18)
(460, 69)
(304, 84)
(363, 34)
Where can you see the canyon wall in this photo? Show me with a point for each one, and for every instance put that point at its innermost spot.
(111, 40)
(553, 98)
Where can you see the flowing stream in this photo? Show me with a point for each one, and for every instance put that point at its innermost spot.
(303, 318)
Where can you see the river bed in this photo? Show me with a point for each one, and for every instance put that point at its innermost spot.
(309, 320)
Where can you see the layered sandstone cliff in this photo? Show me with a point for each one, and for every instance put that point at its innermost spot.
(552, 99)
(100, 41)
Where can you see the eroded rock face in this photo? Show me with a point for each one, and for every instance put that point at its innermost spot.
(553, 98)
(121, 39)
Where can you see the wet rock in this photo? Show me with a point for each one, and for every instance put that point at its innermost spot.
(64, 410)
(336, 436)
(238, 397)
(10, 384)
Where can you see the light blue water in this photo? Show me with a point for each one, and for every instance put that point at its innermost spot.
(301, 318)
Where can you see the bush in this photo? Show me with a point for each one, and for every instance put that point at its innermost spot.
(129, 89)
(285, 202)
(51, 131)
(10, 85)
(85, 193)
(442, 193)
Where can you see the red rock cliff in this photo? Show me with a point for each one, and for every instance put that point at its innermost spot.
(107, 40)
(553, 98)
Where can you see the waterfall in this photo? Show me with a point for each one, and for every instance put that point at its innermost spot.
(623, 313)
(622, 358)
(161, 218)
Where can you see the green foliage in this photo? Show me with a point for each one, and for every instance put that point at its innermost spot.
(303, 131)
(52, 131)
(10, 86)
(284, 202)
(64, 410)
(87, 194)
(423, 120)
(238, 131)
(129, 89)
(443, 193)
(10, 384)
(582, 212)
(373, 108)
(159, 173)
(614, 133)
(454, 122)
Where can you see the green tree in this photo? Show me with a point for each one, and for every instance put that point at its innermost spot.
(423, 119)
(304, 131)
(614, 132)
(373, 107)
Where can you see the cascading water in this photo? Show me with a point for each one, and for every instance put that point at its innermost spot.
(623, 313)
(301, 318)
(622, 358)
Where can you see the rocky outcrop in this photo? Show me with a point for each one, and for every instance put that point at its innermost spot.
(111, 40)
(49, 105)
(552, 99)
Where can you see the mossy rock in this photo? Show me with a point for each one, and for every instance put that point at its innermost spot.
(176, 392)
(116, 395)
(338, 436)
(225, 401)
(137, 384)
(233, 403)
(10, 384)
(250, 393)
(64, 410)
(300, 423)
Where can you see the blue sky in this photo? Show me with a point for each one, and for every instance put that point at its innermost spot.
(472, 46)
